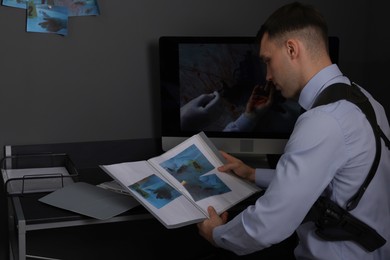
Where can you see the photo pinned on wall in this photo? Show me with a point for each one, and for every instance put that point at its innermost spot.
(51, 16)
(75, 7)
(22, 4)
(47, 19)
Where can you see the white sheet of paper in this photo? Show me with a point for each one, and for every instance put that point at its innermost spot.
(90, 200)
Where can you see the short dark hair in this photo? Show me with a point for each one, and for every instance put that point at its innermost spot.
(293, 17)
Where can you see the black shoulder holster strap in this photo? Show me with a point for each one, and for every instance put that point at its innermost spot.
(353, 94)
(333, 222)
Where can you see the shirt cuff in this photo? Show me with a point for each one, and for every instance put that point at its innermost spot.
(263, 177)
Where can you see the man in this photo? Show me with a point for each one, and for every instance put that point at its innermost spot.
(329, 153)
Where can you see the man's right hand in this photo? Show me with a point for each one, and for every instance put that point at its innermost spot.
(236, 166)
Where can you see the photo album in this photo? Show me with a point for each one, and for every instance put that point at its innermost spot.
(177, 186)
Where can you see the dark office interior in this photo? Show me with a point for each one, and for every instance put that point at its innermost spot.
(101, 83)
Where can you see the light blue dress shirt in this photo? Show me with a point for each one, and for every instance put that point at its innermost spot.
(329, 152)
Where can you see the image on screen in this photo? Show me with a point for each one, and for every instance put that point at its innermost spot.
(230, 71)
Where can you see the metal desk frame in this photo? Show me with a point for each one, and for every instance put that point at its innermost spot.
(86, 155)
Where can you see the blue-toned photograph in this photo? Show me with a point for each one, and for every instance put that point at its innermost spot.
(74, 8)
(189, 167)
(156, 191)
(47, 19)
(80, 7)
(15, 3)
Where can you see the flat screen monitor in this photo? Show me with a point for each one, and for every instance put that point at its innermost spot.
(229, 67)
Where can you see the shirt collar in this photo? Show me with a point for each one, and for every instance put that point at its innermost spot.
(325, 77)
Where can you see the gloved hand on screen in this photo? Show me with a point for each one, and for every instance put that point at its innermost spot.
(199, 112)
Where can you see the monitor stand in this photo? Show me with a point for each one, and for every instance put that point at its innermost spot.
(260, 160)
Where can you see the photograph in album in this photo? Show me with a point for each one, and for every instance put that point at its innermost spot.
(156, 191)
(189, 168)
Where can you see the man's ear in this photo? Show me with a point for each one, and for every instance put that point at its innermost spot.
(292, 48)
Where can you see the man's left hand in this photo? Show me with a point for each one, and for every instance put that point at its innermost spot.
(207, 226)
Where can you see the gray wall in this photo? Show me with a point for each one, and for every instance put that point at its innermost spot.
(101, 82)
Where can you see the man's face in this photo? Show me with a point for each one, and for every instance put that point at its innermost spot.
(280, 69)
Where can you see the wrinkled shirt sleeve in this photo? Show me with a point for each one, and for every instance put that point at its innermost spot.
(292, 190)
(264, 177)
